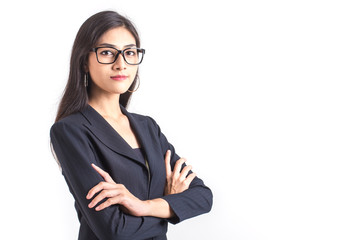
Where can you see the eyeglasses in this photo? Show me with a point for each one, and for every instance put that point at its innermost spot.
(108, 55)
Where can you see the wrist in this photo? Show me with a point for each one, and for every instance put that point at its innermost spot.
(148, 208)
(158, 208)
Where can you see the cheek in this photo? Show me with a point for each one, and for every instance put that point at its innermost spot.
(97, 71)
(92, 62)
(134, 71)
(95, 75)
(92, 68)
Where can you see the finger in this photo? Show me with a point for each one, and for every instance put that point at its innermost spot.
(100, 186)
(104, 174)
(185, 172)
(190, 178)
(104, 194)
(107, 203)
(167, 163)
(178, 166)
(97, 199)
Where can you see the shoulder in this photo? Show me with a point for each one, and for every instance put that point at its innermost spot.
(72, 123)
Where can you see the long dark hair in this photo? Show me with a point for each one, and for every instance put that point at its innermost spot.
(75, 97)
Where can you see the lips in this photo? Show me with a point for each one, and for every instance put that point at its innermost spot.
(119, 77)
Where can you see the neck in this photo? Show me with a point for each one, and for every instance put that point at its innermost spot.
(107, 105)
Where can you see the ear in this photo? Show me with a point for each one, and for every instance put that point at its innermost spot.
(86, 67)
(86, 64)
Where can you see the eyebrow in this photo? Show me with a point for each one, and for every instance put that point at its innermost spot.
(112, 45)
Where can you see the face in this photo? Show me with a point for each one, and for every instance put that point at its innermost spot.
(115, 78)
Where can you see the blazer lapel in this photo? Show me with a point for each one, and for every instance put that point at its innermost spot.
(141, 130)
(107, 134)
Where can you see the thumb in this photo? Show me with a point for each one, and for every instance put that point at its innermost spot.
(167, 163)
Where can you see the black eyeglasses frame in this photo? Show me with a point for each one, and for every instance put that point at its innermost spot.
(118, 53)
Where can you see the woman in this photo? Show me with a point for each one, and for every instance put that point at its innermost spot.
(126, 179)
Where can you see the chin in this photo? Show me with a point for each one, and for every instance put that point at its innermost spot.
(118, 88)
(120, 91)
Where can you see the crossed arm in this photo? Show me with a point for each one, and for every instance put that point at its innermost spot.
(111, 220)
(177, 181)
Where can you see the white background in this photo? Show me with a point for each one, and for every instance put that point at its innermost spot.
(261, 96)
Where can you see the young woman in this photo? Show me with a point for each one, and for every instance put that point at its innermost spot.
(126, 178)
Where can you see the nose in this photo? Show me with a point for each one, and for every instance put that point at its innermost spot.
(120, 63)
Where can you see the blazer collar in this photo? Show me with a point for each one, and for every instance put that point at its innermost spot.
(108, 135)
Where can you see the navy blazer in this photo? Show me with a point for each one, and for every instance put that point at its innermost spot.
(86, 137)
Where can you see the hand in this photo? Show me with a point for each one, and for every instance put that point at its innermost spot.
(116, 194)
(176, 181)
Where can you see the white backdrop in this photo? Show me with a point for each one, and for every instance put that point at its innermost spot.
(261, 96)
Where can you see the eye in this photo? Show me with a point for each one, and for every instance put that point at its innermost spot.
(107, 53)
(131, 52)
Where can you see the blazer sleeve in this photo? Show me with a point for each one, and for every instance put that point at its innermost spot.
(74, 151)
(196, 200)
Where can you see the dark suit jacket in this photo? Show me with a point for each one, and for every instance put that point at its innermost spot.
(86, 137)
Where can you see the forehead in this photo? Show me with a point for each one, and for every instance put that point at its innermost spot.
(118, 37)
